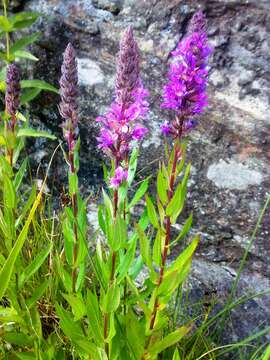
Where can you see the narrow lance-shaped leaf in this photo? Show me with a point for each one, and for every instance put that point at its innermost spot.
(24, 55)
(169, 340)
(34, 133)
(39, 84)
(139, 194)
(24, 41)
(7, 269)
(33, 267)
(152, 215)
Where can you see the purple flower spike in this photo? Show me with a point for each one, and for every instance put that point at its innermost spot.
(197, 23)
(185, 92)
(119, 177)
(120, 125)
(13, 90)
(128, 70)
(69, 96)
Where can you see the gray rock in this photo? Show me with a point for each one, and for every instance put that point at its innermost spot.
(114, 6)
(233, 175)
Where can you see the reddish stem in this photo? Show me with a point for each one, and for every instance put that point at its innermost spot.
(167, 242)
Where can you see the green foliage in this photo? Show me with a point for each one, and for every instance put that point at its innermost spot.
(19, 50)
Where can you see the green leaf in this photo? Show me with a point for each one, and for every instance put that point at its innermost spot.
(39, 84)
(112, 331)
(23, 19)
(111, 299)
(25, 55)
(20, 174)
(94, 317)
(3, 56)
(139, 194)
(132, 166)
(26, 355)
(18, 339)
(35, 133)
(135, 334)
(2, 140)
(266, 354)
(108, 204)
(152, 215)
(177, 202)
(24, 41)
(69, 240)
(36, 322)
(157, 248)
(3, 73)
(73, 331)
(26, 206)
(145, 250)
(72, 183)
(185, 229)
(101, 220)
(176, 355)
(9, 193)
(177, 273)
(136, 267)
(77, 305)
(21, 117)
(7, 269)
(162, 187)
(5, 24)
(119, 228)
(186, 255)
(126, 261)
(29, 94)
(169, 340)
(37, 294)
(81, 275)
(5, 166)
(35, 265)
(64, 275)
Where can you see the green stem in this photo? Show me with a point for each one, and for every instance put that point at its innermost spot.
(75, 226)
(114, 254)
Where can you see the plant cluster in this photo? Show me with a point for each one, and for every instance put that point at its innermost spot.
(60, 296)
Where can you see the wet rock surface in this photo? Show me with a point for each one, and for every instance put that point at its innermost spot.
(230, 151)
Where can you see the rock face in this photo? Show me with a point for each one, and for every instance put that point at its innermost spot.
(230, 151)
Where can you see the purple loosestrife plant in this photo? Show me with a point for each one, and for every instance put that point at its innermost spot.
(185, 94)
(121, 125)
(68, 109)
(120, 129)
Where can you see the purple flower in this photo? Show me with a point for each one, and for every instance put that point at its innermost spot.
(197, 23)
(166, 128)
(185, 92)
(121, 124)
(138, 132)
(13, 90)
(120, 176)
(69, 96)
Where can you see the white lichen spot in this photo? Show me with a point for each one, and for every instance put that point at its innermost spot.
(89, 72)
(233, 175)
